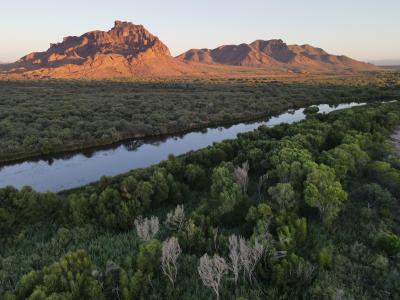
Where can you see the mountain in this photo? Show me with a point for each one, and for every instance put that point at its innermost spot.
(275, 54)
(125, 50)
(124, 39)
(129, 50)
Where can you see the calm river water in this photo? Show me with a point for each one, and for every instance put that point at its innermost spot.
(73, 170)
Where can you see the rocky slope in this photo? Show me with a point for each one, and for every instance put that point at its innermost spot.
(129, 50)
(125, 50)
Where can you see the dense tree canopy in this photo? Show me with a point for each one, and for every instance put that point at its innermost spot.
(89, 243)
(49, 116)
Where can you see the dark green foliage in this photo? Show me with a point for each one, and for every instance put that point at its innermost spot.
(49, 116)
(26, 205)
(312, 110)
(70, 278)
(336, 166)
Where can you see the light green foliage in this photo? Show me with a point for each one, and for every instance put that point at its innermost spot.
(290, 163)
(147, 266)
(224, 190)
(325, 257)
(346, 159)
(292, 235)
(390, 243)
(260, 216)
(323, 191)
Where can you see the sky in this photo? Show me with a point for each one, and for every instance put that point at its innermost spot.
(367, 30)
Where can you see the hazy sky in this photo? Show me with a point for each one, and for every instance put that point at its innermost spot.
(363, 29)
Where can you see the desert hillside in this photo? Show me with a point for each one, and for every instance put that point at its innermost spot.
(129, 50)
(275, 55)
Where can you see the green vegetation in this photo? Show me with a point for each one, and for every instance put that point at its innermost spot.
(302, 211)
(45, 117)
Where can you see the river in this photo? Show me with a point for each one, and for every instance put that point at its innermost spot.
(73, 170)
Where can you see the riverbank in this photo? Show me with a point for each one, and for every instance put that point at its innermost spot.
(93, 147)
(71, 171)
(48, 117)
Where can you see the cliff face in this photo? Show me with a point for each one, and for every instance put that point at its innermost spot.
(124, 39)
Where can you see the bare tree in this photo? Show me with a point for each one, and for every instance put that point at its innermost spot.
(234, 256)
(250, 255)
(147, 228)
(242, 176)
(169, 258)
(211, 271)
(176, 219)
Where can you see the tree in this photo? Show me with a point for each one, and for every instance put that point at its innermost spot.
(283, 195)
(311, 110)
(143, 193)
(390, 243)
(176, 219)
(78, 206)
(324, 192)
(160, 186)
(225, 190)
(147, 228)
(325, 257)
(290, 163)
(345, 159)
(234, 257)
(111, 209)
(147, 266)
(260, 216)
(211, 271)
(242, 176)
(128, 186)
(169, 258)
(69, 278)
(195, 176)
(250, 256)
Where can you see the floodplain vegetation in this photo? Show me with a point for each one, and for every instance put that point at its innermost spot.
(50, 116)
(303, 211)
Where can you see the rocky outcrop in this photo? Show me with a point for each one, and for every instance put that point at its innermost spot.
(124, 39)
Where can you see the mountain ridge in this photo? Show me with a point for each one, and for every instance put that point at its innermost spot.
(267, 53)
(129, 50)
